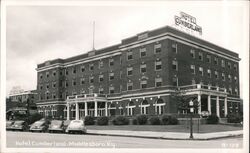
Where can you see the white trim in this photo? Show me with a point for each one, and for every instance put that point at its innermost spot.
(81, 61)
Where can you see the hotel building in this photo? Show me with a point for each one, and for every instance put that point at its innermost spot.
(139, 75)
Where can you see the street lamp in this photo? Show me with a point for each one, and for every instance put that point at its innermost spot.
(191, 105)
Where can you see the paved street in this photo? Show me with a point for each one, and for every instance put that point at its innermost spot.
(28, 139)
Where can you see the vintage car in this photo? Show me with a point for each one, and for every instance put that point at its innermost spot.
(40, 126)
(56, 126)
(9, 124)
(20, 125)
(76, 126)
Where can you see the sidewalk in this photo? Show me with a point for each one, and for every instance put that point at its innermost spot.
(166, 135)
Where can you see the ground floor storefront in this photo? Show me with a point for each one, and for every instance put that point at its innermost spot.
(210, 101)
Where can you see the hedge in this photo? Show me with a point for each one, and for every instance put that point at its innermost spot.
(89, 120)
(169, 120)
(120, 120)
(234, 118)
(104, 120)
(154, 120)
(142, 119)
(212, 119)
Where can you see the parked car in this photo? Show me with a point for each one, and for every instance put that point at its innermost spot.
(56, 126)
(76, 126)
(20, 125)
(9, 124)
(40, 126)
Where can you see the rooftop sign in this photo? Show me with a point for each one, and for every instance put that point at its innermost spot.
(188, 22)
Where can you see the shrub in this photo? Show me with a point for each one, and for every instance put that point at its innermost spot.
(104, 120)
(89, 120)
(142, 119)
(155, 120)
(234, 118)
(169, 120)
(34, 117)
(135, 121)
(121, 120)
(212, 119)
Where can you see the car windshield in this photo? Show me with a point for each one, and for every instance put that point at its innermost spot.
(38, 123)
(56, 122)
(9, 123)
(66, 123)
(19, 122)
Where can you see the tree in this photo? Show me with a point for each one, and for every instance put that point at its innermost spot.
(183, 100)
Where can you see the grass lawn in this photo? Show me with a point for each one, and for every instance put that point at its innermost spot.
(205, 128)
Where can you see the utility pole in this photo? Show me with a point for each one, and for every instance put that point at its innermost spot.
(93, 48)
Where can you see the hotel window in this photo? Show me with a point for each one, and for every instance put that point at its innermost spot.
(74, 70)
(216, 74)
(54, 73)
(66, 72)
(130, 86)
(201, 71)
(216, 60)
(129, 55)
(111, 90)
(82, 81)
(175, 81)
(41, 76)
(229, 65)
(143, 84)
(229, 78)
(192, 67)
(91, 67)
(144, 107)
(111, 76)
(230, 90)
(235, 67)
(143, 52)
(222, 63)
(209, 58)
(235, 79)
(47, 74)
(236, 91)
(192, 53)
(129, 71)
(100, 77)
(158, 64)
(174, 48)
(100, 64)
(158, 82)
(66, 84)
(73, 82)
(157, 48)
(111, 62)
(200, 56)
(91, 79)
(101, 91)
(143, 68)
(47, 95)
(61, 73)
(41, 87)
(47, 86)
(223, 76)
(175, 65)
(82, 68)
(209, 73)
(54, 84)
(53, 95)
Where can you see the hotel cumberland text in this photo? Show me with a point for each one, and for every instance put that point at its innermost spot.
(139, 75)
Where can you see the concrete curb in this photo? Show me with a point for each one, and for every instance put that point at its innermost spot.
(167, 138)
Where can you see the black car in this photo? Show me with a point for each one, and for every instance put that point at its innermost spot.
(9, 124)
(20, 126)
(56, 126)
(40, 126)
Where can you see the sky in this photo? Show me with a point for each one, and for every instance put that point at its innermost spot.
(36, 33)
